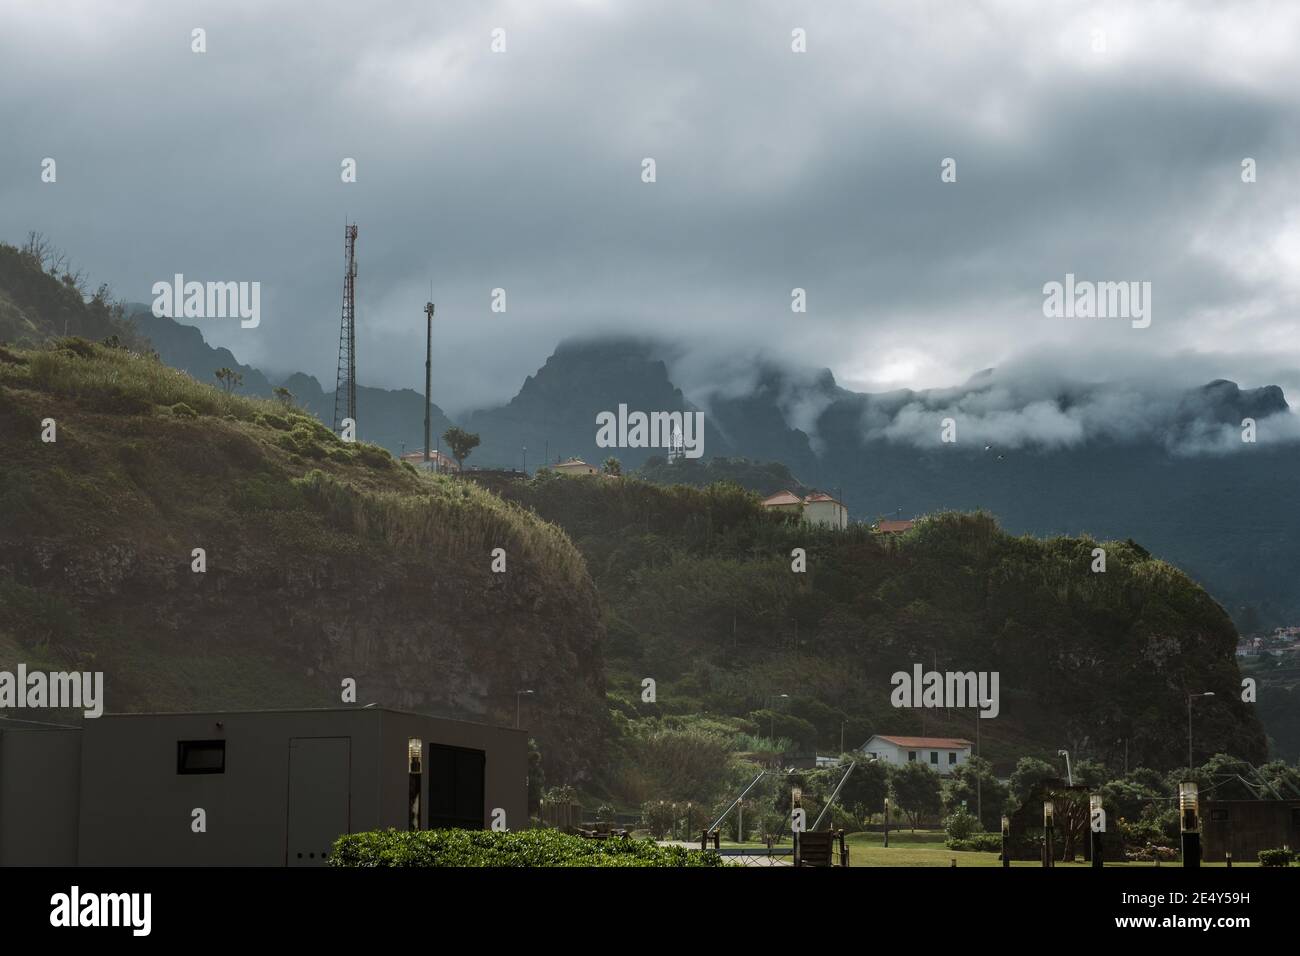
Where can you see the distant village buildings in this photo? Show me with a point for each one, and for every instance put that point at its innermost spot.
(1282, 642)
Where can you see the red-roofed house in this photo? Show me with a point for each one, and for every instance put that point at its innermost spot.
(783, 501)
(575, 466)
(822, 509)
(940, 754)
(817, 508)
(890, 526)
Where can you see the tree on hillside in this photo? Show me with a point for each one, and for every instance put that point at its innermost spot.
(612, 466)
(283, 396)
(1030, 772)
(975, 783)
(461, 443)
(916, 789)
(229, 379)
(864, 792)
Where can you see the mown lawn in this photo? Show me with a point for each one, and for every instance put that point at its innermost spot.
(925, 848)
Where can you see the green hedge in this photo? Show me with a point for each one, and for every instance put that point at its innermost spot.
(982, 842)
(524, 848)
(1275, 857)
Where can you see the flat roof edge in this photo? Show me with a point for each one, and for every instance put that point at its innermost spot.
(300, 710)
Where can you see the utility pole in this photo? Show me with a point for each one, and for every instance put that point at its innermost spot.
(1208, 693)
(428, 377)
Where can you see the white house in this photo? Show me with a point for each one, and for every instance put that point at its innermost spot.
(822, 509)
(941, 754)
(817, 508)
(574, 466)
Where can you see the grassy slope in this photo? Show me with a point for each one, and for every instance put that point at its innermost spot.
(96, 533)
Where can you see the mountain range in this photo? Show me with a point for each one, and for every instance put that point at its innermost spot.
(1170, 475)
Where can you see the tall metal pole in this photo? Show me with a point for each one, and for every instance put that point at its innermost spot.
(428, 378)
(345, 382)
(1208, 693)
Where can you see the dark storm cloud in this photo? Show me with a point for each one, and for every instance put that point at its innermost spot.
(775, 170)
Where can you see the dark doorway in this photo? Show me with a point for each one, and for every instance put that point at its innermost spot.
(455, 788)
(320, 769)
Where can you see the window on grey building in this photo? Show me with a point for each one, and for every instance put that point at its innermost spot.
(911, 755)
(952, 758)
(934, 756)
(200, 756)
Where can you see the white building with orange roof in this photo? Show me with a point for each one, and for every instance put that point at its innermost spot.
(823, 510)
(940, 754)
(574, 466)
(817, 508)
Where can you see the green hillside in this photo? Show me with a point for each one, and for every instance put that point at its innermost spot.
(698, 594)
(324, 560)
(41, 298)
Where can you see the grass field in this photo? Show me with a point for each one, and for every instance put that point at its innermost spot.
(925, 848)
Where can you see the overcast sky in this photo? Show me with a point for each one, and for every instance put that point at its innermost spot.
(523, 170)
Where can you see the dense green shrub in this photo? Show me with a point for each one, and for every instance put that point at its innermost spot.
(1275, 857)
(980, 842)
(524, 848)
(960, 825)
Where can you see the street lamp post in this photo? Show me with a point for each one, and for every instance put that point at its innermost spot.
(519, 697)
(771, 723)
(1208, 693)
(1096, 826)
(1049, 822)
(886, 821)
(1190, 823)
(1069, 776)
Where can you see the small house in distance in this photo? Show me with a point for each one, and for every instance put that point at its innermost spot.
(823, 510)
(784, 501)
(443, 464)
(891, 526)
(817, 508)
(941, 754)
(574, 466)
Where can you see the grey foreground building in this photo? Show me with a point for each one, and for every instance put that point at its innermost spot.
(251, 788)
